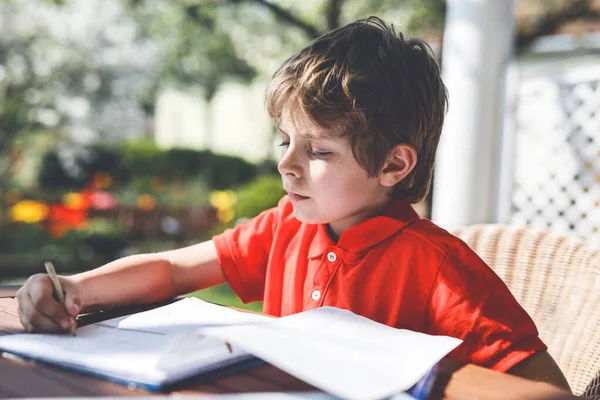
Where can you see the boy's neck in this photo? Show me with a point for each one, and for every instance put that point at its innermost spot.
(332, 234)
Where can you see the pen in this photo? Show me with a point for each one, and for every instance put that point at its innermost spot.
(228, 347)
(58, 290)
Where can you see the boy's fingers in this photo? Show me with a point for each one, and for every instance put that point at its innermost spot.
(72, 298)
(23, 315)
(34, 321)
(39, 311)
(44, 304)
(41, 323)
(73, 305)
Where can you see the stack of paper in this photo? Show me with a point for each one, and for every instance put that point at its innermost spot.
(340, 352)
(335, 350)
(151, 349)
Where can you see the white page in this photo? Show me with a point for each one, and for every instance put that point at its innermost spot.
(182, 315)
(151, 347)
(235, 396)
(340, 352)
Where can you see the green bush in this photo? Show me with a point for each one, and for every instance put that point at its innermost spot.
(54, 175)
(141, 158)
(28, 245)
(106, 238)
(259, 195)
(134, 160)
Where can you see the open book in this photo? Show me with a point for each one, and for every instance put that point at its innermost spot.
(151, 349)
(335, 350)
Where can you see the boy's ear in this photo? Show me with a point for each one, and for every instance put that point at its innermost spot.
(401, 160)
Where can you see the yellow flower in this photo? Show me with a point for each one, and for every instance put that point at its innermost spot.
(225, 215)
(223, 199)
(29, 211)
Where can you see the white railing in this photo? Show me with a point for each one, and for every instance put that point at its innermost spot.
(556, 160)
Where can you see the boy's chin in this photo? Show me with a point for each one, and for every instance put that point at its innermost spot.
(307, 219)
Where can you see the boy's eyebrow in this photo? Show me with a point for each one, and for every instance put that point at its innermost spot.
(306, 135)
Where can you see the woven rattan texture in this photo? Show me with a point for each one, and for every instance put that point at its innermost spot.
(556, 279)
(593, 390)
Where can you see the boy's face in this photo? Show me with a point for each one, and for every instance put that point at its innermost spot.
(324, 182)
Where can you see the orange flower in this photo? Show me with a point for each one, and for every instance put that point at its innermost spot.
(101, 180)
(77, 201)
(146, 202)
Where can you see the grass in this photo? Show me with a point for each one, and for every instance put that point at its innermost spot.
(223, 294)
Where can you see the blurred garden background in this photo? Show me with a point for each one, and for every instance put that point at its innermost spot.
(130, 126)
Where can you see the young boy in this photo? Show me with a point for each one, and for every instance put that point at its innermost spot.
(360, 111)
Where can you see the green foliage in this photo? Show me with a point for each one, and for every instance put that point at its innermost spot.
(52, 175)
(105, 238)
(22, 238)
(196, 52)
(140, 156)
(220, 171)
(223, 295)
(428, 16)
(228, 171)
(104, 227)
(40, 72)
(138, 163)
(28, 245)
(258, 195)
(30, 242)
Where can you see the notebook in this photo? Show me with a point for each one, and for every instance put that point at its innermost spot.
(335, 350)
(151, 349)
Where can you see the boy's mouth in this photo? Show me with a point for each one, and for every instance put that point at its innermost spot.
(296, 197)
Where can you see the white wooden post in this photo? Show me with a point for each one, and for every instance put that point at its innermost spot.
(477, 49)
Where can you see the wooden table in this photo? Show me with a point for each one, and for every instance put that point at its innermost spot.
(26, 379)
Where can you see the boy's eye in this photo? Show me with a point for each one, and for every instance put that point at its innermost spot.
(284, 144)
(320, 154)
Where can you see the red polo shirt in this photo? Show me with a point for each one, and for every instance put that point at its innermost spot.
(396, 269)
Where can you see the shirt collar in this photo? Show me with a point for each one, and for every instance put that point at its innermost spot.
(368, 233)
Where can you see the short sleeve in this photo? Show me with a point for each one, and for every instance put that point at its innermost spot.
(469, 301)
(243, 253)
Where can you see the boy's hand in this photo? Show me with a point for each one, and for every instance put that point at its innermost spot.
(40, 311)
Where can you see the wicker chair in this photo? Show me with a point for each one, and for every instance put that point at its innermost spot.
(556, 278)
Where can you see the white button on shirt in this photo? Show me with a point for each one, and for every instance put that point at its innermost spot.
(316, 295)
(331, 257)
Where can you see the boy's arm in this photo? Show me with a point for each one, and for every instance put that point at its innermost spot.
(138, 279)
(146, 278)
(541, 367)
(470, 301)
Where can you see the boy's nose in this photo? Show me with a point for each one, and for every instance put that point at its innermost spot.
(288, 165)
